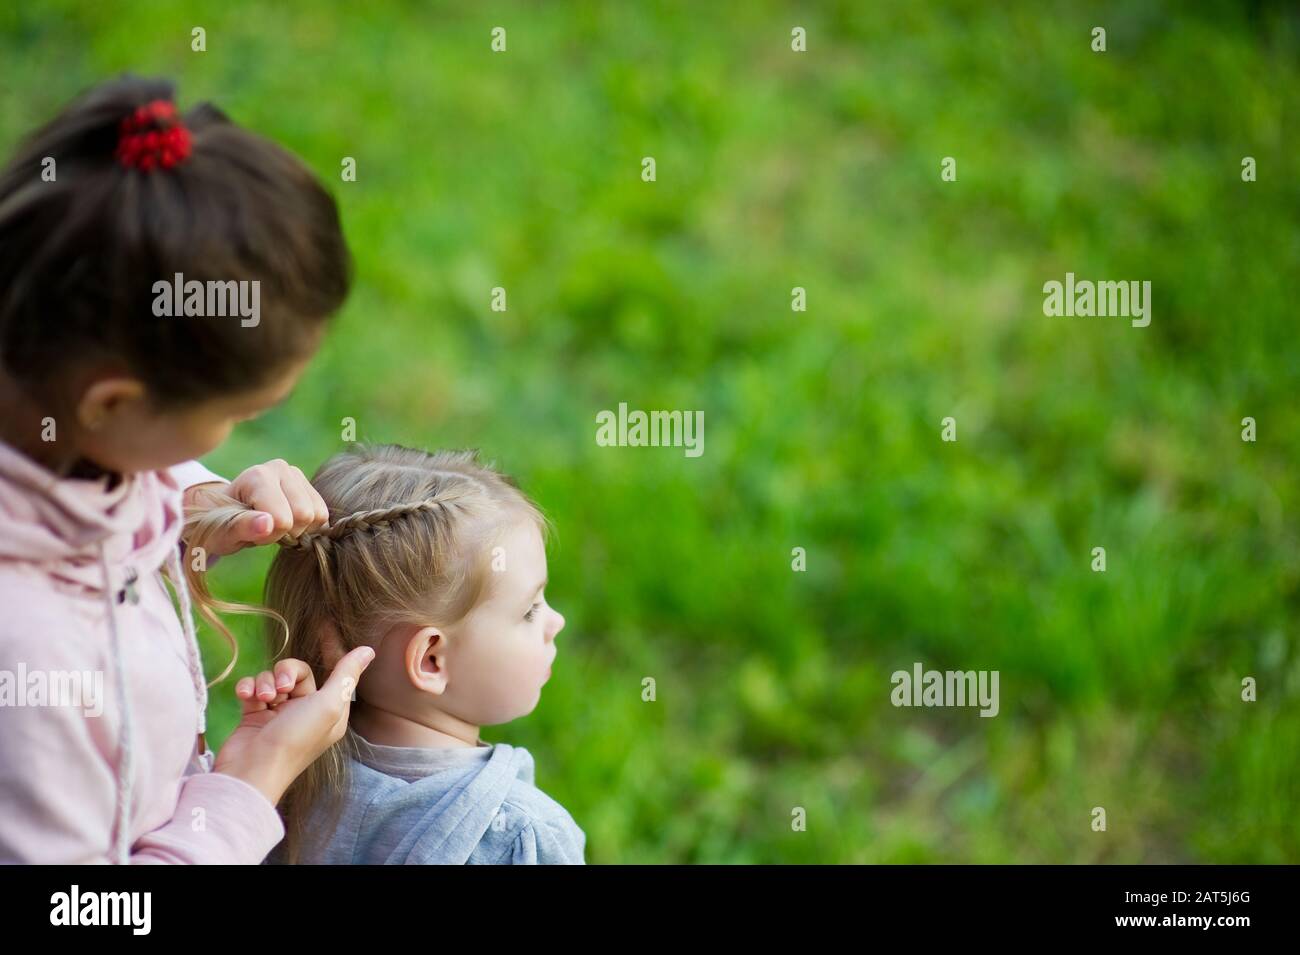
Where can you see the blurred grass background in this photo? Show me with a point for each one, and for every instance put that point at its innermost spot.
(821, 170)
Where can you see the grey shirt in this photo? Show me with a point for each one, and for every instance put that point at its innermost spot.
(445, 806)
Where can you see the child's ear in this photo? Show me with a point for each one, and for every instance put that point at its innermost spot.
(426, 660)
(104, 398)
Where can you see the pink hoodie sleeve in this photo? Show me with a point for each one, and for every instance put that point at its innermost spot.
(241, 825)
(58, 782)
(192, 472)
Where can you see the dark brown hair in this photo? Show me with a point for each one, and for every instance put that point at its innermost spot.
(79, 256)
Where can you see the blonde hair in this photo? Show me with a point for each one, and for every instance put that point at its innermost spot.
(408, 541)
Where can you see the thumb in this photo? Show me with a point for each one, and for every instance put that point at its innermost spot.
(347, 673)
(251, 527)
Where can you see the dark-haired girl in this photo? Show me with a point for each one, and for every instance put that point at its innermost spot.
(102, 693)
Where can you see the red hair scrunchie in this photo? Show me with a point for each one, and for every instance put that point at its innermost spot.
(153, 136)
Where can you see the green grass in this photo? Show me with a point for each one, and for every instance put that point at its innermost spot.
(821, 170)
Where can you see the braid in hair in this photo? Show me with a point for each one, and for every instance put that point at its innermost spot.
(321, 542)
(408, 543)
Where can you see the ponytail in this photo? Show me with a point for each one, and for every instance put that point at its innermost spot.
(142, 192)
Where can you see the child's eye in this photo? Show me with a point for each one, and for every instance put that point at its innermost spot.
(532, 612)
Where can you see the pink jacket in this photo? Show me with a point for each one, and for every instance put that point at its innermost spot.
(110, 773)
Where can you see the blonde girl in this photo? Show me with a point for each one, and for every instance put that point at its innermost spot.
(438, 563)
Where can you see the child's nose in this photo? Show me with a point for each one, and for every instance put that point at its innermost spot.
(557, 624)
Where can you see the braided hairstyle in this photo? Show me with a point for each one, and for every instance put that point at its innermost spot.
(409, 538)
(409, 541)
(362, 526)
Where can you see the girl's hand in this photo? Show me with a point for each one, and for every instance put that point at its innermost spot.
(272, 687)
(280, 500)
(287, 722)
